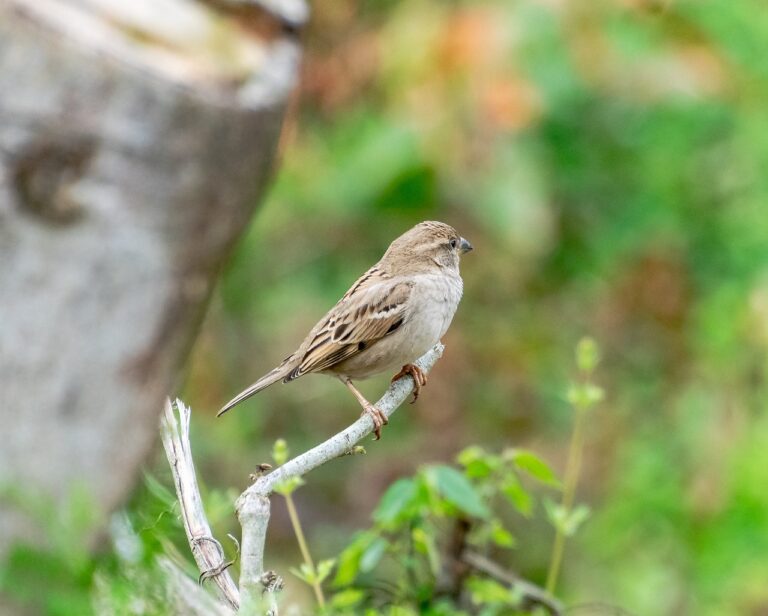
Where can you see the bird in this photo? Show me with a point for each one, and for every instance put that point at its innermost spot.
(393, 314)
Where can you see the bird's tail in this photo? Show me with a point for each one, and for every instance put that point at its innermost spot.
(268, 379)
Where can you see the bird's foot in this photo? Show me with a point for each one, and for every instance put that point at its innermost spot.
(379, 418)
(418, 376)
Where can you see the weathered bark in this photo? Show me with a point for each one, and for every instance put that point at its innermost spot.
(135, 140)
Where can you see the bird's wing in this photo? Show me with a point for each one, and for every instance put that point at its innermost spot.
(374, 307)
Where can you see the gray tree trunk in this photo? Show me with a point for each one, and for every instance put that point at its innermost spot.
(135, 140)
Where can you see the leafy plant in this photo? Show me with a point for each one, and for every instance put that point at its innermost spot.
(566, 517)
(429, 548)
(413, 555)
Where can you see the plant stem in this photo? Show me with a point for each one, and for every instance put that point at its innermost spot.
(572, 470)
(294, 516)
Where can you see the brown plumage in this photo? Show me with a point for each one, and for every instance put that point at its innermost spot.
(390, 316)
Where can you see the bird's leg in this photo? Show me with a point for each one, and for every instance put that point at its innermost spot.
(418, 376)
(378, 417)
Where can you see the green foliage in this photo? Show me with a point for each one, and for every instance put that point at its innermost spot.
(566, 516)
(531, 464)
(68, 572)
(280, 454)
(587, 356)
(455, 489)
(65, 565)
(493, 597)
(314, 575)
(566, 521)
(419, 517)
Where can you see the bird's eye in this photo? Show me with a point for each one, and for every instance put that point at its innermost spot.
(454, 242)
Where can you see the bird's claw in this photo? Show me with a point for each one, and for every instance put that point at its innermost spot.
(378, 417)
(417, 374)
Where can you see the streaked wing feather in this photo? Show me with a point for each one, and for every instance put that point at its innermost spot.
(336, 356)
(373, 308)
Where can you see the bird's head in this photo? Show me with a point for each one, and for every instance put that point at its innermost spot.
(425, 246)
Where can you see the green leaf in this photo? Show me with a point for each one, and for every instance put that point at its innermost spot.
(398, 497)
(280, 452)
(159, 491)
(289, 485)
(594, 393)
(424, 543)
(218, 505)
(478, 469)
(584, 396)
(400, 610)
(501, 536)
(587, 355)
(477, 462)
(347, 598)
(567, 522)
(576, 518)
(470, 454)
(533, 465)
(457, 490)
(305, 573)
(483, 591)
(349, 559)
(556, 514)
(373, 554)
(324, 568)
(517, 495)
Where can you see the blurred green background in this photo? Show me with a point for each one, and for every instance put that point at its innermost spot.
(607, 159)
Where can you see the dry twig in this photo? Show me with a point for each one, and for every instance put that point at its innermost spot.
(207, 551)
(530, 593)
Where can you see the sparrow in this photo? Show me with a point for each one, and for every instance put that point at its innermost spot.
(391, 316)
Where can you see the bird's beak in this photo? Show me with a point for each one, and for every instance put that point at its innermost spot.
(464, 246)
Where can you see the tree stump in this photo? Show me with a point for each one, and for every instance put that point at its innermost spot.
(135, 141)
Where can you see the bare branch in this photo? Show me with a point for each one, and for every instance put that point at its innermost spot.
(344, 441)
(253, 513)
(189, 598)
(253, 504)
(207, 551)
(531, 594)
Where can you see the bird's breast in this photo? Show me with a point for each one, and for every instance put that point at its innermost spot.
(434, 302)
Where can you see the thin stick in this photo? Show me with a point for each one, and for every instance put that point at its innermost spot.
(530, 592)
(572, 470)
(296, 523)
